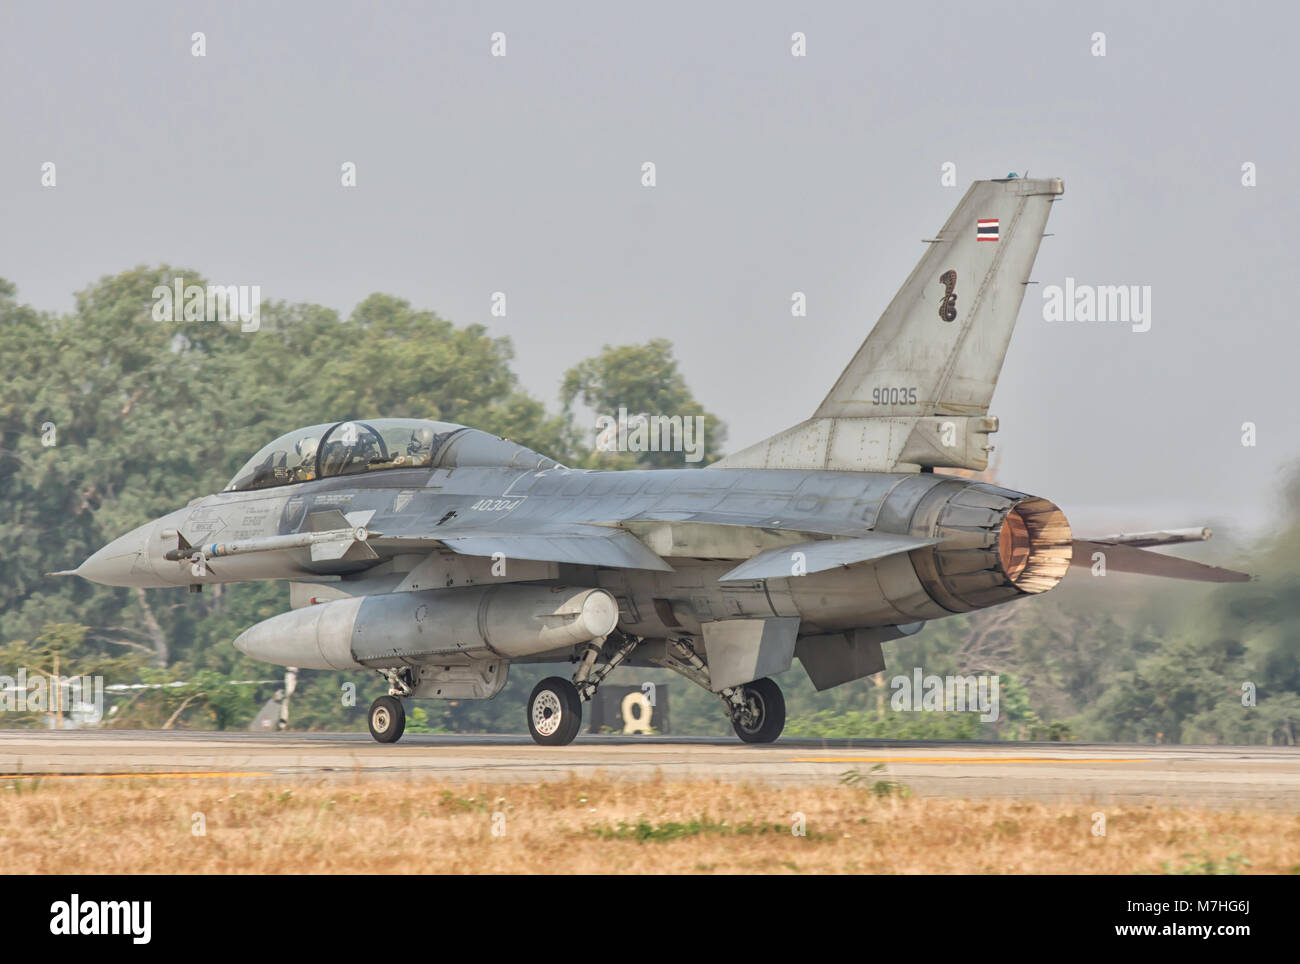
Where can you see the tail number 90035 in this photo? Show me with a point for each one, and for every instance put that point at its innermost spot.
(893, 396)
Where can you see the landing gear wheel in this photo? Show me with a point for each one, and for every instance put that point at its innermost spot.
(554, 712)
(387, 719)
(762, 717)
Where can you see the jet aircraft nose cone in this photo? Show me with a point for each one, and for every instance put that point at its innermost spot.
(122, 562)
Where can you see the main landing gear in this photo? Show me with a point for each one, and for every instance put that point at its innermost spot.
(759, 714)
(555, 706)
(554, 712)
(756, 709)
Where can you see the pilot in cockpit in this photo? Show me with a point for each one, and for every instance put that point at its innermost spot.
(305, 448)
(419, 450)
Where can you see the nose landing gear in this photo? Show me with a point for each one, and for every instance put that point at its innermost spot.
(387, 719)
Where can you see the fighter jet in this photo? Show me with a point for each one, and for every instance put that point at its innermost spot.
(437, 555)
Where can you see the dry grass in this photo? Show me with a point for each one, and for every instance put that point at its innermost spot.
(601, 826)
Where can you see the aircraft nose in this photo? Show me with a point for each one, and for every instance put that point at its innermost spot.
(122, 562)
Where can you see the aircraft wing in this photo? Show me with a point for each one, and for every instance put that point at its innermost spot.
(1125, 557)
(602, 546)
(583, 545)
(782, 562)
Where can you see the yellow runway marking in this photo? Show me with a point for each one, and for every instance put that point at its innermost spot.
(964, 759)
(198, 774)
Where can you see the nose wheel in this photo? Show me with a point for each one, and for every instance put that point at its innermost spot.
(554, 712)
(759, 716)
(387, 719)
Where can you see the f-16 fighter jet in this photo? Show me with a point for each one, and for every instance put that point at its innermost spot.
(437, 555)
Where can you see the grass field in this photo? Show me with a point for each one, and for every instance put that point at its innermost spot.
(599, 826)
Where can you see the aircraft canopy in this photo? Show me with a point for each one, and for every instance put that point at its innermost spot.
(349, 448)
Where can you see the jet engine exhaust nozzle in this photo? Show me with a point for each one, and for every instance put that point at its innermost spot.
(997, 545)
(1034, 545)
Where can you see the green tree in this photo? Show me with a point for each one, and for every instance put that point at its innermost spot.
(640, 380)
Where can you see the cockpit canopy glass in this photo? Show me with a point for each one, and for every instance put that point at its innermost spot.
(290, 458)
(349, 448)
(382, 443)
(344, 448)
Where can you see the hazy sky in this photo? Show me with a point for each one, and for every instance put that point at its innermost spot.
(775, 174)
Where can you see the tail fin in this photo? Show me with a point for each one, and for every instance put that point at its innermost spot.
(917, 392)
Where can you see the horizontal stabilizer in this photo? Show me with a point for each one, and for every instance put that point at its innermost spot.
(1125, 558)
(806, 557)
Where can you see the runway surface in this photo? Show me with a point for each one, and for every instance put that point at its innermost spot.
(1216, 776)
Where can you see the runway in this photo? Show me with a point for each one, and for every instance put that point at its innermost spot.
(1216, 776)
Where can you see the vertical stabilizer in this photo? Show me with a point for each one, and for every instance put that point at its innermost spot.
(917, 392)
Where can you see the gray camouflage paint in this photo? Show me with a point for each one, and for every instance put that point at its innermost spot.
(835, 533)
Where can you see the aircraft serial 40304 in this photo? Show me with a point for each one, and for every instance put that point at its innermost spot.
(437, 555)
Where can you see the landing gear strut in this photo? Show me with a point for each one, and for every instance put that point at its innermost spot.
(387, 716)
(555, 706)
(756, 710)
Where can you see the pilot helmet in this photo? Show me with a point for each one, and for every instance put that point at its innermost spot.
(421, 440)
(306, 447)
